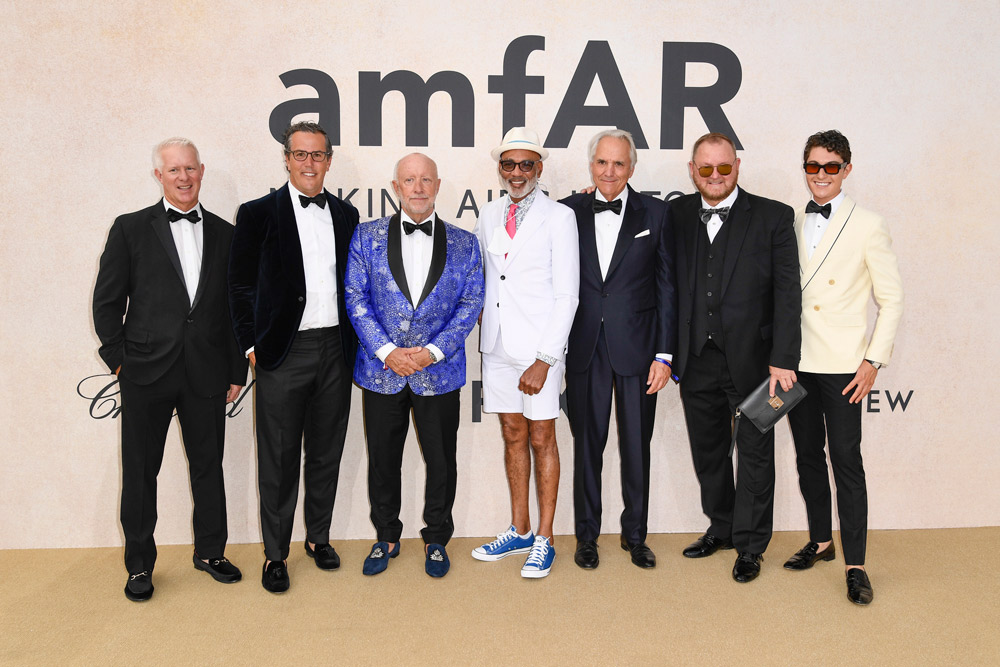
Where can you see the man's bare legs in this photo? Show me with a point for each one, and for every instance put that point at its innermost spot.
(521, 437)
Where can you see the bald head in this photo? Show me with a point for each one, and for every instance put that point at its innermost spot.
(415, 182)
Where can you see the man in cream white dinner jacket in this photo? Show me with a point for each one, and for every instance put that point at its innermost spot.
(846, 257)
(532, 261)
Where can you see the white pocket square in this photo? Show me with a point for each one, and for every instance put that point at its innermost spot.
(642, 233)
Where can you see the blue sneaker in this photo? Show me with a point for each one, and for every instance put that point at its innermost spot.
(539, 560)
(378, 559)
(437, 563)
(506, 543)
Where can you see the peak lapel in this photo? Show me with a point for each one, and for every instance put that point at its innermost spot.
(161, 226)
(739, 221)
(631, 225)
(209, 241)
(585, 225)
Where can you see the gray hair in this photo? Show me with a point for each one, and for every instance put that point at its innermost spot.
(615, 134)
(172, 141)
(305, 126)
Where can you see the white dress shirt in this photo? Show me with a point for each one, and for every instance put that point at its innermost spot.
(714, 223)
(319, 261)
(815, 224)
(417, 249)
(607, 224)
(189, 240)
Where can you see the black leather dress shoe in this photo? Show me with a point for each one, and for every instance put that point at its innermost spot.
(220, 569)
(808, 556)
(859, 588)
(139, 587)
(275, 577)
(706, 545)
(325, 556)
(747, 567)
(586, 555)
(642, 555)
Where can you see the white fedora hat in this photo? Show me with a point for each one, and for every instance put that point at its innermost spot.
(520, 138)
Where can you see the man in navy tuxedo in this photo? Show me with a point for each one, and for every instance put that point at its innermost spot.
(286, 292)
(622, 339)
(161, 312)
(414, 290)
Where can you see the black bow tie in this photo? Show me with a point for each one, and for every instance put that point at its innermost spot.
(424, 226)
(813, 207)
(173, 215)
(707, 213)
(319, 200)
(613, 206)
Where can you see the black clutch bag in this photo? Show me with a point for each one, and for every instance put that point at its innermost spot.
(765, 410)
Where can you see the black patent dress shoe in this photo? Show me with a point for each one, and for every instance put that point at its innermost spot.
(325, 556)
(139, 587)
(747, 567)
(586, 555)
(220, 569)
(275, 577)
(706, 545)
(642, 555)
(859, 588)
(809, 555)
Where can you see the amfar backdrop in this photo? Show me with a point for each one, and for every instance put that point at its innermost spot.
(90, 87)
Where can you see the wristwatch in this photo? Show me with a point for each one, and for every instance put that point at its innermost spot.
(433, 356)
(876, 364)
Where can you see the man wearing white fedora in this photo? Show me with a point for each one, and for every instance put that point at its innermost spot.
(531, 257)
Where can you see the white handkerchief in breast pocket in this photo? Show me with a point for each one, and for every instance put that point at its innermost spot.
(645, 232)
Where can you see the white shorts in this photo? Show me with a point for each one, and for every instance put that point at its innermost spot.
(502, 374)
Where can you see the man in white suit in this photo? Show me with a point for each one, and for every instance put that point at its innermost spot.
(845, 255)
(531, 256)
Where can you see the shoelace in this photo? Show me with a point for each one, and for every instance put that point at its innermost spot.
(133, 577)
(539, 550)
(502, 539)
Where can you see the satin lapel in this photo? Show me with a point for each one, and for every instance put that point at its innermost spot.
(394, 252)
(209, 242)
(288, 235)
(692, 228)
(438, 259)
(532, 222)
(161, 226)
(342, 240)
(739, 222)
(588, 237)
(631, 225)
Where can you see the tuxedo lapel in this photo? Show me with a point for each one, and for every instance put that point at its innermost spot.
(739, 222)
(631, 225)
(209, 242)
(394, 254)
(588, 237)
(161, 226)
(692, 226)
(288, 235)
(438, 260)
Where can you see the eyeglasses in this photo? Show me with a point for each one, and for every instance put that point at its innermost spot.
(829, 167)
(724, 170)
(525, 165)
(317, 156)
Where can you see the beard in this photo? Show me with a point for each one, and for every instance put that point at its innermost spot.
(520, 192)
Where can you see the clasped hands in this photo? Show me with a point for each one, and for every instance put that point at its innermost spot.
(406, 361)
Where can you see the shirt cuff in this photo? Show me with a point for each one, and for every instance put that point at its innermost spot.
(436, 350)
(541, 356)
(384, 351)
(247, 353)
(665, 357)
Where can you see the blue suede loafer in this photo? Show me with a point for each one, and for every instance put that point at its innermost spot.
(437, 563)
(378, 559)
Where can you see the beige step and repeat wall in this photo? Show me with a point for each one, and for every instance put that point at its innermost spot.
(90, 87)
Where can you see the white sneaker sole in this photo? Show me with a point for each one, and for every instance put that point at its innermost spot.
(535, 574)
(489, 558)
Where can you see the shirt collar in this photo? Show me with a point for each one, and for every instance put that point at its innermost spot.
(623, 196)
(834, 204)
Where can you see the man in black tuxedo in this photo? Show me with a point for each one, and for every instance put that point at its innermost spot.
(622, 338)
(161, 312)
(739, 298)
(286, 291)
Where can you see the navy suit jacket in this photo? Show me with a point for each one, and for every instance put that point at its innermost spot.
(144, 316)
(267, 283)
(761, 300)
(636, 301)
